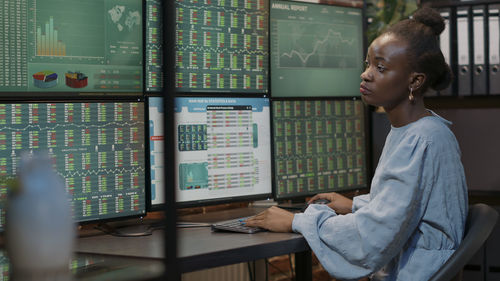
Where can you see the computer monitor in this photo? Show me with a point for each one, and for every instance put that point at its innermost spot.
(316, 49)
(156, 154)
(154, 46)
(319, 146)
(222, 46)
(71, 46)
(223, 150)
(97, 148)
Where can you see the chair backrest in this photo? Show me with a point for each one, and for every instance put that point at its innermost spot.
(480, 222)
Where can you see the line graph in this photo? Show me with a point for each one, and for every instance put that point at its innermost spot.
(316, 50)
(316, 45)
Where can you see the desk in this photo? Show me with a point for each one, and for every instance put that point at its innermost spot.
(200, 248)
(91, 267)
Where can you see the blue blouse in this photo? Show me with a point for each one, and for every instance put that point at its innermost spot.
(412, 220)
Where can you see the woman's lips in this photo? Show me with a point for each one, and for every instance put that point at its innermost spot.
(364, 90)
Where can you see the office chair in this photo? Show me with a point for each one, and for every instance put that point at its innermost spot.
(480, 222)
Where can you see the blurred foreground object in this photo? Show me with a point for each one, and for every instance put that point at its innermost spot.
(40, 230)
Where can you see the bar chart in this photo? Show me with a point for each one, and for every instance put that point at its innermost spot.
(69, 32)
(47, 43)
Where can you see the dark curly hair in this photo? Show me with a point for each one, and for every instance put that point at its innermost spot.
(421, 32)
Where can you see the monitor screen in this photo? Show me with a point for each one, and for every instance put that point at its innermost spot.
(154, 46)
(319, 146)
(98, 149)
(222, 46)
(71, 46)
(156, 154)
(223, 150)
(316, 50)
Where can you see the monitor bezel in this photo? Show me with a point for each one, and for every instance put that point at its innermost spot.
(300, 198)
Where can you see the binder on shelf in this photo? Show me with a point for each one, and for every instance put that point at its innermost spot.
(463, 37)
(444, 42)
(494, 49)
(479, 86)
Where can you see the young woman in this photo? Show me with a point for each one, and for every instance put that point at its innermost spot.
(414, 217)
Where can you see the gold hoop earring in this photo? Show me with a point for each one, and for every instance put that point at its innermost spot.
(410, 96)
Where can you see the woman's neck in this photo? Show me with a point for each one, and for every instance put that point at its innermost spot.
(407, 113)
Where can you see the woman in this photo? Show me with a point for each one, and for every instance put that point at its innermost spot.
(414, 217)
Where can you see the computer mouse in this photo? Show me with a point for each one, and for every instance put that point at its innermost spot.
(317, 201)
(321, 201)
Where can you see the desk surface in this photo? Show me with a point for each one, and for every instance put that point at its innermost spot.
(91, 267)
(199, 247)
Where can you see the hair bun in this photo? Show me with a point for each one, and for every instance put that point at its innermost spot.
(430, 18)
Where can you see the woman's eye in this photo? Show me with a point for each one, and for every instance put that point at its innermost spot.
(380, 68)
(367, 64)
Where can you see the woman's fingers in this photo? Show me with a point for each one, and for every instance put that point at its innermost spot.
(255, 220)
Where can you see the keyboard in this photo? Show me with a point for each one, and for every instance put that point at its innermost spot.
(235, 225)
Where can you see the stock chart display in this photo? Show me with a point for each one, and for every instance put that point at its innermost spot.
(319, 146)
(221, 45)
(97, 148)
(316, 50)
(71, 46)
(154, 47)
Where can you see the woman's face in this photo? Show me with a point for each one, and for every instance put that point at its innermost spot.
(386, 79)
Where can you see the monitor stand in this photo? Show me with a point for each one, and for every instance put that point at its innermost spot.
(135, 230)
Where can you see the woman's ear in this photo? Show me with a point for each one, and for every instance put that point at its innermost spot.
(417, 80)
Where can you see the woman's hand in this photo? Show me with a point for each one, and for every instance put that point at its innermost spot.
(339, 203)
(274, 219)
